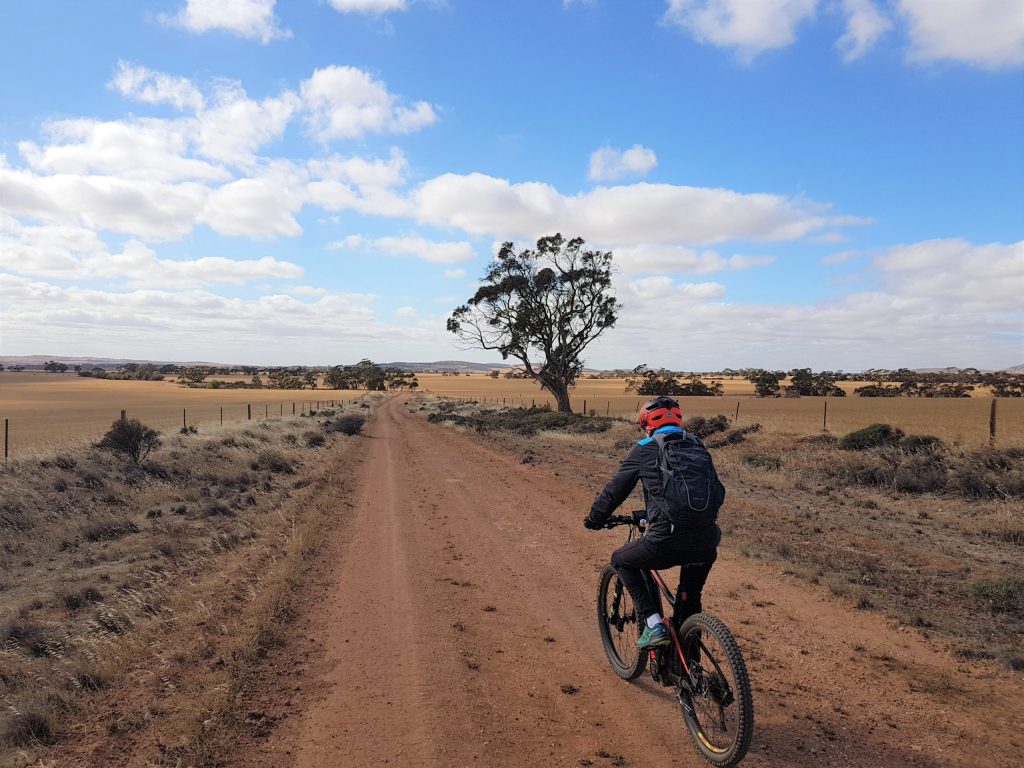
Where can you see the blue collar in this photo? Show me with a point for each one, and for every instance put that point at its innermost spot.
(667, 429)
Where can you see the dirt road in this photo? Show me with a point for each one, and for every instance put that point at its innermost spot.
(462, 601)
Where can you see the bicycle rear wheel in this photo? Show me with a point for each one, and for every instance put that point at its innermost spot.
(618, 622)
(716, 702)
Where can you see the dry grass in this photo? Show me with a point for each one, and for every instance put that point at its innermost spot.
(963, 420)
(50, 412)
(882, 545)
(132, 597)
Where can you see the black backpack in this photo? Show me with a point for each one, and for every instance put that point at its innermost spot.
(692, 491)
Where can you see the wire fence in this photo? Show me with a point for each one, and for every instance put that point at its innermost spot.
(956, 420)
(29, 433)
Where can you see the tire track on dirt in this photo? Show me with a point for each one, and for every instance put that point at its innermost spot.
(464, 601)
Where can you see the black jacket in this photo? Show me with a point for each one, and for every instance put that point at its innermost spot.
(642, 465)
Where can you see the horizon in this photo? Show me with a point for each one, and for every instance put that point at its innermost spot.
(832, 185)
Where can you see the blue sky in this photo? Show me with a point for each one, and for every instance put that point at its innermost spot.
(824, 183)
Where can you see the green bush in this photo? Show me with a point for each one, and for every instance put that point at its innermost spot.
(873, 436)
(131, 438)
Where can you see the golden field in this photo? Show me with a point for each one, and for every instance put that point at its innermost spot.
(958, 420)
(47, 411)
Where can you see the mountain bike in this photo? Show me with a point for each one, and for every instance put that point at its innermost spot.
(702, 663)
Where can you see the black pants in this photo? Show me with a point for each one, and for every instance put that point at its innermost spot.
(632, 562)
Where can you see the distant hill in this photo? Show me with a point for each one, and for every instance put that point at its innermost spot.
(1015, 368)
(38, 361)
(447, 365)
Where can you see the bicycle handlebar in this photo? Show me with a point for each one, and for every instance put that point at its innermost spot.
(616, 520)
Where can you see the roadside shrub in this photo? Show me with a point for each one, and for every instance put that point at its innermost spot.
(109, 529)
(733, 436)
(920, 473)
(131, 438)
(314, 439)
(349, 424)
(81, 598)
(27, 727)
(273, 461)
(987, 474)
(703, 427)
(763, 461)
(921, 444)
(873, 436)
(527, 421)
(1001, 595)
(188, 429)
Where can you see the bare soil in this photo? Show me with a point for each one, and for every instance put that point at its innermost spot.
(454, 625)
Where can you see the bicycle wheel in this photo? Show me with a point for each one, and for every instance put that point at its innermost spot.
(715, 699)
(617, 620)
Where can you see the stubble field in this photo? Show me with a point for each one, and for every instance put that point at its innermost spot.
(51, 411)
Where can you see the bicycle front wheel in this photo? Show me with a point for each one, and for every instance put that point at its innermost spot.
(618, 623)
(715, 699)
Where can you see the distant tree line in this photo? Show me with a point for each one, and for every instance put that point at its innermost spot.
(645, 381)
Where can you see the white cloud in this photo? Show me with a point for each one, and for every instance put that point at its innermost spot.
(983, 33)
(151, 87)
(253, 19)
(140, 149)
(142, 208)
(346, 103)
(455, 274)
(675, 259)
(838, 258)
(406, 312)
(864, 26)
(937, 302)
(428, 250)
(608, 163)
(367, 6)
(958, 273)
(362, 171)
(619, 216)
(237, 127)
(190, 324)
(75, 253)
(262, 206)
(749, 26)
(661, 286)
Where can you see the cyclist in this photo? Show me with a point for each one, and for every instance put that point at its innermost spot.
(665, 544)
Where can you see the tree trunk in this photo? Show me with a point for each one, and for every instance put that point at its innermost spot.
(557, 388)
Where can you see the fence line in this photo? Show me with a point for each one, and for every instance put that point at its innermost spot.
(185, 424)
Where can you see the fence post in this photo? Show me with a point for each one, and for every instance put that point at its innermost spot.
(248, 409)
(266, 411)
(824, 419)
(222, 415)
(7, 424)
(608, 408)
(282, 409)
(293, 407)
(584, 407)
(737, 416)
(184, 420)
(992, 424)
(124, 415)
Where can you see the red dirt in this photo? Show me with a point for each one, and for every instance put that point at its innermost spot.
(462, 600)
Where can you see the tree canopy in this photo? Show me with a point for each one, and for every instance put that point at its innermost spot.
(542, 306)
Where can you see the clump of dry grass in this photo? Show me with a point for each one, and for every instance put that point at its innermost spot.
(100, 578)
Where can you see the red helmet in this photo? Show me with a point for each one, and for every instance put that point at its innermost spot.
(659, 412)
